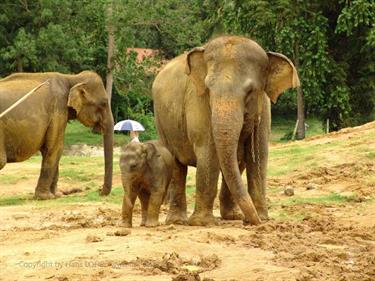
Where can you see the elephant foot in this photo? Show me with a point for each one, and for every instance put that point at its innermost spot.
(231, 214)
(152, 223)
(263, 214)
(44, 195)
(58, 194)
(176, 218)
(202, 219)
(104, 191)
(123, 223)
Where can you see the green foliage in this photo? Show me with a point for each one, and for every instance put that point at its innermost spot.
(356, 24)
(331, 43)
(299, 30)
(132, 95)
(51, 35)
(171, 26)
(355, 14)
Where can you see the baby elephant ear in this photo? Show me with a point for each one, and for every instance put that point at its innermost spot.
(196, 68)
(76, 97)
(150, 150)
(282, 75)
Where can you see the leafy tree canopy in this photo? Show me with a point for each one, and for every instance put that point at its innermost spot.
(332, 43)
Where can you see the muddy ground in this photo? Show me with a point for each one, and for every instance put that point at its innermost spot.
(307, 239)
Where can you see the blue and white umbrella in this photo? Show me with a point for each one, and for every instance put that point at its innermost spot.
(128, 125)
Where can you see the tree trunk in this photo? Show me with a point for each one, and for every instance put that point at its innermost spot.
(300, 114)
(300, 101)
(110, 50)
(19, 64)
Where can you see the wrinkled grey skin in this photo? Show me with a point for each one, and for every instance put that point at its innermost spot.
(146, 171)
(207, 106)
(39, 122)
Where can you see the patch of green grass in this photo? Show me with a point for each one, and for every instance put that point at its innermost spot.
(115, 197)
(76, 174)
(12, 179)
(190, 189)
(76, 133)
(286, 159)
(282, 214)
(333, 197)
(90, 196)
(36, 159)
(282, 126)
(371, 155)
(15, 200)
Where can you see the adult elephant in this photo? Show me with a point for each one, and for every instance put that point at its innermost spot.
(39, 122)
(212, 106)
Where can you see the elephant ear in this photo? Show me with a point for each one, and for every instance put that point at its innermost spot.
(282, 75)
(151, 151)
(76, 96)
(196, 69)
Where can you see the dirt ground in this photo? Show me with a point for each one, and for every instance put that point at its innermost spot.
(313, 240)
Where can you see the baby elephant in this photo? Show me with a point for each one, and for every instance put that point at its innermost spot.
(146, 170)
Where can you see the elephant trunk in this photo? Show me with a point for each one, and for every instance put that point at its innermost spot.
(108, 154)
(227, 122)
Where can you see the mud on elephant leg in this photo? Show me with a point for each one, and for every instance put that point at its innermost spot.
(256, 173)
(229, 210)
(3, 159)
(256, 188)
(145, 199)
(53, 187)
(206, 189)
(156, 200)
(127, 208)
(177, 203)
(48, 173)
(3, 156)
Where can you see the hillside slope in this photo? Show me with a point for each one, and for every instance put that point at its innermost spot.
(326, 231)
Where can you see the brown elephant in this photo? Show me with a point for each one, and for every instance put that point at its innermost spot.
(146, 171)
(212, 110)
(39, 122)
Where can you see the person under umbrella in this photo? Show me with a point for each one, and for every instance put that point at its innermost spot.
(134, 136)
(130, 125)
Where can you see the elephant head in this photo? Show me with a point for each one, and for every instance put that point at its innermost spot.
(135, 156)
(235, 72)
(92, 108)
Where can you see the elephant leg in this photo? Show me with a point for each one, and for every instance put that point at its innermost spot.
(144, 197)
(257, 171)
(53, 187)
(206, 187)
(127, 207)
(48, 173)
(177, 196)
(3, 155)
(229, 210)
(51, 153)
(156, 200)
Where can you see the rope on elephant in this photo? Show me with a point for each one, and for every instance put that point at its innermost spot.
(258, 152)
(23, 98)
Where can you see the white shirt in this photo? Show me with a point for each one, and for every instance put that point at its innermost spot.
(135, 139)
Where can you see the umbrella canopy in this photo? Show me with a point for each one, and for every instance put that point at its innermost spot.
(128, 125)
